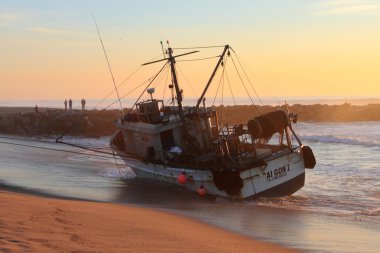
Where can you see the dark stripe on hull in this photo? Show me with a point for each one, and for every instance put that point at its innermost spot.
(284, 189)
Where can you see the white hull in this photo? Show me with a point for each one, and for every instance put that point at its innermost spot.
(275, 178)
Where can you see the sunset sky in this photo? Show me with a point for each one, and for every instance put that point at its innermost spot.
(51, 50)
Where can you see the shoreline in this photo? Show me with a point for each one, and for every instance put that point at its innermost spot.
(40, 224)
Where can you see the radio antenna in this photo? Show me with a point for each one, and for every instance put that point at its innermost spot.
(163, 51)
(109, 66)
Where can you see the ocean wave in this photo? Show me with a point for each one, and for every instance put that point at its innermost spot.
(370, 212)
(123, 173)
(342, 140)
(326, 205)
(94, 143)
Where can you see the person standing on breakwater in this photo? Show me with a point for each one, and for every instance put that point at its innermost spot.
(70, 104)
(36, 109)
(65, 104)
(83, 103)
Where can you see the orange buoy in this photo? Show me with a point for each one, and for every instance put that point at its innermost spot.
(182, 178)
(202, 191)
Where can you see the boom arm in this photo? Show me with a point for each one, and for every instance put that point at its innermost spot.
(226, 47)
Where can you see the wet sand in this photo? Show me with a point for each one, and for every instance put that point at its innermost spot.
(37, 224)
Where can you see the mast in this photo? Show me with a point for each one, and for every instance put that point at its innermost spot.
(226, 47)
(175, 81)
(171, 60)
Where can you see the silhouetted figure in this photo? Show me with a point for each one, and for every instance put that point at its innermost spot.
(65, 104)
(36, 109)
(83, 102)
(70, 104)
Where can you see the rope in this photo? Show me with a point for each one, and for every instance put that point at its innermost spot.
(71, 127)
(117, 165)
(85, 148)
(60, 150)
(90, 149)
(42, 141)
(25, 139)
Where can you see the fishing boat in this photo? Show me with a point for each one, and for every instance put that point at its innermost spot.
(187, 146)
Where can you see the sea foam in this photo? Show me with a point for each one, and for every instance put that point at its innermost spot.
(342, 140)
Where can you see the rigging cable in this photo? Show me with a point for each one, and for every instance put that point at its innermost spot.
(217, 90)
(258, 111)
(88, 112)
(188, 83)
(123, 82)
(158, 81)
(148, 86)
(109, 66)
(224, 74)
(84, 115)
(111, 92)
(176, 48)
(165, 85)
(257, 95)
(220, 81)
(199, 59)
(59, 138)
(229, 84)
(261, 83)
(129, 92)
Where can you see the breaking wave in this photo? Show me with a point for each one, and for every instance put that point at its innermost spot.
(123, 173)
(370, 212)
(94, 143)
(342, 140)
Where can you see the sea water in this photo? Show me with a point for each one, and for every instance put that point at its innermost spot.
(112, 103)
(338, 209)
(346, 179)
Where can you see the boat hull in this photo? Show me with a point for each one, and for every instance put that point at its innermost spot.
(282, 174)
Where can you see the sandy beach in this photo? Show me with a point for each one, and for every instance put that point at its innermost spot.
(36, 224)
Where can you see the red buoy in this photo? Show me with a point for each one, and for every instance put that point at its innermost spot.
(182, 178)
(202, 191)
